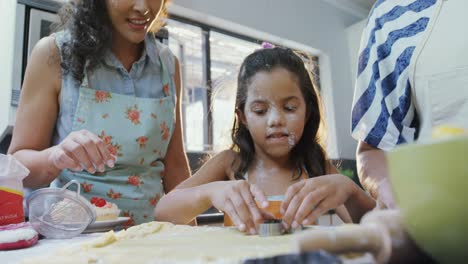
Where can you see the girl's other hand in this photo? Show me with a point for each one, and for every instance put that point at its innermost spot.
(237, 199)
(82, 149)
(307, 200)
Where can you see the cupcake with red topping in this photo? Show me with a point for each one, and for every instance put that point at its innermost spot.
(104, 210)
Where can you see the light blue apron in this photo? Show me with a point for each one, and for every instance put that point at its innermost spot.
(137, 131)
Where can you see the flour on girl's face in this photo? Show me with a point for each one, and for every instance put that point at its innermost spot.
(291, 140)
(274, 116)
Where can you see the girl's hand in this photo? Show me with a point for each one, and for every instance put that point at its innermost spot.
(81, 149)
(237, 199)
(306, 200)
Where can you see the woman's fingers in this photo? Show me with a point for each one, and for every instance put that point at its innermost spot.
(88, 151)
(77, 152)
(105, 155)
(62, 160)
(92, 152)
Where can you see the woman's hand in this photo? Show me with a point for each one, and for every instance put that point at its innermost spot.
(81, 150)
(306, 200)
(237, 199)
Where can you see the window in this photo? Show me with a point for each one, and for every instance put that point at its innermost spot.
(210, 59)
(185, 41)
(227, 54)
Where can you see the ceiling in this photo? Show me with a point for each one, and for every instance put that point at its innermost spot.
(359, 8)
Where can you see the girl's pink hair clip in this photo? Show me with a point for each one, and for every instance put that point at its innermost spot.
(267, 45)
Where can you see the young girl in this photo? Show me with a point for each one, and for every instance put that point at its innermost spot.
(275, 152)
(101, 104)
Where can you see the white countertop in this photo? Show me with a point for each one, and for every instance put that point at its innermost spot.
(42, 247)
(45, 246)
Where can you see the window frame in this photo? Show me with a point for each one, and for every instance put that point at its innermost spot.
(206, 57)
(206, 49)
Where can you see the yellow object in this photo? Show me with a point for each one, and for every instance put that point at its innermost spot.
(447, 131)
(430, 182)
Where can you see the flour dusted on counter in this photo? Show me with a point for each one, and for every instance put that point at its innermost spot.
(12, 173)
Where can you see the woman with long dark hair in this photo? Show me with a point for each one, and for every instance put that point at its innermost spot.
(101, 104)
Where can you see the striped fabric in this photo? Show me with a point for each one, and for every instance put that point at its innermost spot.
(383, 114)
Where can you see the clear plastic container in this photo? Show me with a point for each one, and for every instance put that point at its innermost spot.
(60, 213)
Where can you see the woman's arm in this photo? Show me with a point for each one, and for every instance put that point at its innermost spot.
(35, 122)
(373, 173)
(37, 113)
(191, 197)
(176, 164)
(358, 203)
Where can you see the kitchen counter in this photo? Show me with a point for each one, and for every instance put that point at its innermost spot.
(42, 246)
(45, 246)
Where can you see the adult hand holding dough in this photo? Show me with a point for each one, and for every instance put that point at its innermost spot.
(381, 233)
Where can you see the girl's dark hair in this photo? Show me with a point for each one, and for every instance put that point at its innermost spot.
(308, 152)
(90, 30)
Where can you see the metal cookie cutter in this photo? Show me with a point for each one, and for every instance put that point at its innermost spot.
(271, 228)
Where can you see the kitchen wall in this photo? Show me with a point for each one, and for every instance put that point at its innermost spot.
(7, 31)
(353, 33)
(313, 23)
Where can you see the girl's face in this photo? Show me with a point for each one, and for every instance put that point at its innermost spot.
(132, 19)
(275, 112)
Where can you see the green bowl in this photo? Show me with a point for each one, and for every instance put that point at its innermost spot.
(430, 182)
